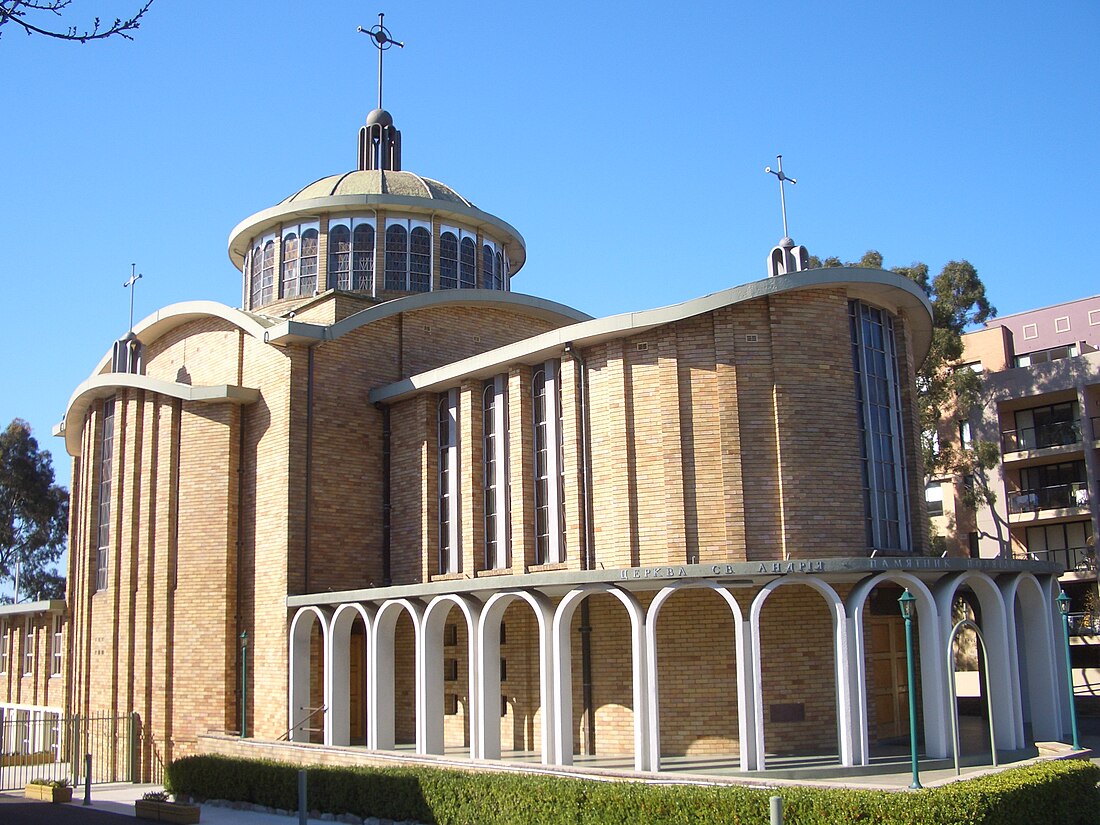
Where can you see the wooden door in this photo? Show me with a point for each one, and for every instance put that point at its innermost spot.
(890, 693)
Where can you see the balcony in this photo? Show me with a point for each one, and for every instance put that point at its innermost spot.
(1073, 559)
(1073, 496)
(1056, 434)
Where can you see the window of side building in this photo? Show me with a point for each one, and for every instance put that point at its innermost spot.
(28, 647)
(103, 525)
(56, 649)
(5, 645)
(494, 454)
(448, 480)
(549, 479)
(882, 453)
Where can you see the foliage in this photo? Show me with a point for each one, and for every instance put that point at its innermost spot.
(33, 510)
(948, 391)
(1059, 791)
(49, 783)
(155, 796)
(26, 14)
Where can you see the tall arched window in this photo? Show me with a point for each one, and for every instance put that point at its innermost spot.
(307, 267)
(467, 264)
(267, 274)
(255, 264)
(498, 273)
(494, 429)
(882, 453)
(549, 479)
(488, 266)
(447, 419)
(363, 258)
(339, 257)
(448, 261)
(397, 257)
(290, 265)
(420, 260)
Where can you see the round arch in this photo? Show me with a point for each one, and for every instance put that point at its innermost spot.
(652, 615)
(1032, 634)
(488, 634)
(840, 663)
(298, 709)
(563, 670)
(430, 666)
(932, 679)
(339, 657)
(380, 673)
(994, 623)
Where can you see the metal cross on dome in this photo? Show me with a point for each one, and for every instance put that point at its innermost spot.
(135, 276)
(782, 197)
(383, 41)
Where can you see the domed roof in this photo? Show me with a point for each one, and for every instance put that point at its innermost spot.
(376, 182)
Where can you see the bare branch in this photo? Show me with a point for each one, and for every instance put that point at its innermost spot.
(17, 11)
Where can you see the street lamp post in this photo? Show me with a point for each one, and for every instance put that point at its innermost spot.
(906, 605)
(1063, 606)
(244, 682)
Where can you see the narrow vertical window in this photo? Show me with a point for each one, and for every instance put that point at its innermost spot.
(56, 649)
(255, 261)
(28, 648)
(882, 454)
(447, 420)
(494, 427)
(307, 265)
(363, 258)
(467, 264)
(448, 261)
(420, 260)
(290, 265)
(339, 257)
(488, 266)
(5, 646)
(549, 481)
(267, 273)
(103, 523)
(397, 258)
(498, 272)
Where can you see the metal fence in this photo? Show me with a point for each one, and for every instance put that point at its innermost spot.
(42, 743)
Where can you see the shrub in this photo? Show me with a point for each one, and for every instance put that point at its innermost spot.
(1059, 791)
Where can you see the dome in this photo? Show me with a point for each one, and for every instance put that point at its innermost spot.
(379, 117)
(374, 182)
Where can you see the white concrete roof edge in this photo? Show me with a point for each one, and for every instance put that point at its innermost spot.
(100, 386)
(596, 330)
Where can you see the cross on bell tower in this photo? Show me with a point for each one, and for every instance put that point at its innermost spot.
(786, 257)
(379, 141)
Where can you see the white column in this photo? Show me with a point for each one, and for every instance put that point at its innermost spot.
(844, 718)
(748, 665)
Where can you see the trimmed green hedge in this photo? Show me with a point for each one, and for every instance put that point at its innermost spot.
(1062, 792)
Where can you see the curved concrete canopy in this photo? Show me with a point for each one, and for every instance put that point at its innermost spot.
(103, 386)
(885, 289)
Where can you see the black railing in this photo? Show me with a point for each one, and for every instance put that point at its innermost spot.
(1074, 559)
(1056, 497)
(1058, 434)
(38, 743)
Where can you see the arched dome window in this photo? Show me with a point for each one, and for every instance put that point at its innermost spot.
(290, 265)
(307, 268)
(363, 258)
(488, 266)
(498, 272)
(420, 260)
(255, 262)
(397, 254)
(467, 264)
(339, 257)
(448, 261)
(267, 273)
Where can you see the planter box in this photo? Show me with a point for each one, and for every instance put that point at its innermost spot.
(166, 811)
(48, 793)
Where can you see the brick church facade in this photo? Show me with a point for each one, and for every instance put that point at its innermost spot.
(451, 518)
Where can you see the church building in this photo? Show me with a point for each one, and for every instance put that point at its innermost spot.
(394, 504)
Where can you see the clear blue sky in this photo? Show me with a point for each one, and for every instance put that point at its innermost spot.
(626, 141)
